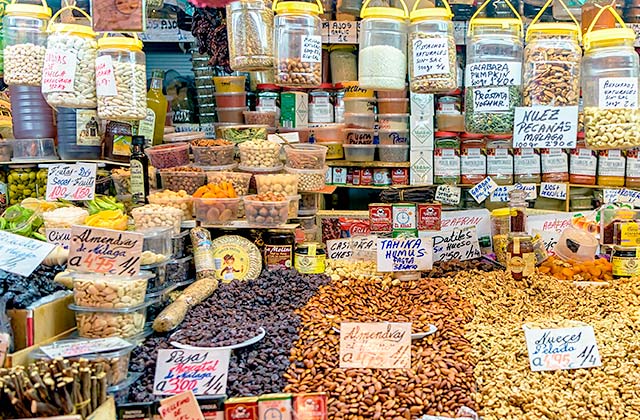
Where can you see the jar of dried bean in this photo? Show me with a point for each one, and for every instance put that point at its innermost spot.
(610, 87)
(493, 75)
(432, 46)
(298, 43)
(552, 65)
(249, 31)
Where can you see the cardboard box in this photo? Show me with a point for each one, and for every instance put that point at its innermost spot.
(421, 133)
(421, 170)
(294, 110)
(422, 105)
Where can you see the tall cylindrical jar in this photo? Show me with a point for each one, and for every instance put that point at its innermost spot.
(382, 60)
(250, 35)
(344, 67)
(25, 41)
(493, 75)
(69, 74)
(31, 115)
(610, 88)
(297, 43)
(432, 50)
(121, 79)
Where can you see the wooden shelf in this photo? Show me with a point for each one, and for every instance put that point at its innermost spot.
(54, 161)
(237, 224)
(375, 164)
(373, 187)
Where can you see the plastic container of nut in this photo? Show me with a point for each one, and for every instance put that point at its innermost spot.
(277, 183)
(239, 180)
(306, 156)
(169, 155)
(359, 152)
(180, 270)
(393, 152)
(152, 215)
(309, 203)
(33, 149)
(159, 280)
(216, 211)
(157, 240)
(92, 290)
(187, 178)
(265, 213)
(294, 205)
(103, 323)
(180, 242)
(177, 200)
(259, 154)
(309, 179)
(213, 155)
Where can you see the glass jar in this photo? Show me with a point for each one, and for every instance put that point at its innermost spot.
(611, 168)
(473, 161)
(633, 168)
(310, 258)
(298, 43)
(446, 140)
(493, 75)
(518, 211)
(449, 112)
(583, 164)
(432, 50)
(610, 71)
(446, 166)
(21, 183)
(117, 141)
(500, 159)
(249, 34)
(555, 165)
(521, 258)
(500, 220)
(338, 106)
(70, 45)
(552, 65)
(344, 67)
(526, 166)
(268, 98)
(121, 79)
(320, 106)
(278, 249)
(25, 41)
(382, 61)
(349, 7)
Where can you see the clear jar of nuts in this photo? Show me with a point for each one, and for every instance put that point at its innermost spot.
(249, 30)
(298, 41)
(92, 290)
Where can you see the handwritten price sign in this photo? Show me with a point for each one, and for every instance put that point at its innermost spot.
(404, 254)
(545, 126)
(105, 251)
(457, 244)
(71, 182)
(382, 345)
(20, 255)
(562, 348)
(204, 372)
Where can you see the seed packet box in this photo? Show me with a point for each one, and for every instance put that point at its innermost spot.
(421, 133)
(421, 170)
(294, 110)
(422, 105)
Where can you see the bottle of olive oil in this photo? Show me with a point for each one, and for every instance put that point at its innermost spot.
(139, 183)
(152, 127)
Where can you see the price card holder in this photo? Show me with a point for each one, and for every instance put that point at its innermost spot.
(545, 127)
(562, 348)
(380, 345)
(203, 372)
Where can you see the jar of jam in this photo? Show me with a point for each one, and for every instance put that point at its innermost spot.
(625, 261)
(521, 258)
(278, 249)
(310, 258)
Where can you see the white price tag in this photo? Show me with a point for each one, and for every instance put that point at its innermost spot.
(59, 71)
(448, 194)
(491, 99)
(483, 190)
(380, 345)
(496, 73)
(456, 244)
(562, 348)
(628, 196)
(105, 77)
(20, 255)
(311, 49)
(74, 182)
(339, 249)
(343, 32)
(404, 254)
(545, 127)
(60, 237)
(430, 56)
(618, 92)
(204, 372)
(553, 190)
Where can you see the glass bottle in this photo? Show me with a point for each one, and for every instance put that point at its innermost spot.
(518, 207)
(152, 127)
(139, 181)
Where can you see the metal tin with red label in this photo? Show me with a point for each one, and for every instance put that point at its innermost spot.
(312, 406)
(404, 216)
(366, 176)
(243, 408)
(381, 217)
(381, 177)
(429, 216)
(356, 176)
(400, 176)
(349, 176)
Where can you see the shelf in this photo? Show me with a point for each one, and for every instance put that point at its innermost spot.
(238, 224)
(374, 187)
(349, 164)
(38, 162)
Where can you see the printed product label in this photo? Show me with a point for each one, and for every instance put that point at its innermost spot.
(276, 256)
(473, 162)
(137, 181)
(147, 126)
(307, 264)
(87, 128)
(493, 74)
(446, 162)
(625, 266)
(611, 163)
(311, 49)
(320, 112)
(430, 56)
(121, 145)
(584, 162)
(526, 162)
(499, 162)
(554, 160)
(633, 163)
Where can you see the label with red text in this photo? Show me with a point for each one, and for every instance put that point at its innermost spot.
(180, 407)
(204, 372)
(105, 77)
(59, 71)
(73, 182)
(104, 251)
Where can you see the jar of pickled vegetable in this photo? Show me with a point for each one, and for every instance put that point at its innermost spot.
(344, 66)
(21, 183)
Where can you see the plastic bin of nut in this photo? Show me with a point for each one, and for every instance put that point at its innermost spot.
(92, 290)
(180, 243)
(157, 246)
(169, 155)
(239, 180)
(294, 205)
(186, 178)
(103, 323)
(212, 152)
(179, 200)
(154, 215)
(259, 154)
(260, 117)
(616, 128)
(180, 270)
(309, 179)
(216, 211)
(159, 279)
(237, 134)
(286, 184)
(266, 210)
(117, 361)
(305, 156)
(309, 203)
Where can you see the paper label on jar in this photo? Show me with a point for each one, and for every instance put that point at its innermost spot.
(499, 162)
(59, 71)
(555, 161)
(105, 77)
(493, 74)
(311, 49)
(473, 162)
(583, 162)
(430, 56)
(526, 162)
(633, 163)
(611, 163)
(618, 92)
(446, 162)
(87, 128)
(490, 99)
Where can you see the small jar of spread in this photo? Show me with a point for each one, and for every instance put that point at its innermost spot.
(625, 261)
(521, 258)
(310, 258)
(278, 249)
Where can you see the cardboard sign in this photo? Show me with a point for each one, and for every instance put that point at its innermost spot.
(105, 251)
(456, 244)
(448, 194)
(624, 195)
(80, 347)
(545, 127)
(339, 249)
(343, 32)
(483, 189)
(105, 77)
(562, 348)
(557, 191)
(180, 407)
(204, 372)
(59, 71)
(618, 92)
(493, 74)
(430, 56)
(58, 237)
(311, 49)
(610, 195)
(20, 255)
(404, 254)
(380, 345)
(75, 182)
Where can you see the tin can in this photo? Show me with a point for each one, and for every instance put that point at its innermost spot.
(310, 258)
(349, 176)
(243, 408)
(400, 176)
(275, 406)
(381, 177)
(311, 406)
(356, 176)
(625, 261)
(366, 176)
(404, 216)
(429, 216)
(381, 217)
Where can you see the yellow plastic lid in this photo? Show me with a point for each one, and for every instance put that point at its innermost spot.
(432, 12)
(31, 10)
(502, 212)
(383, 12)
(120, 42)
(297, 7)
(72, 28)
(503, 23)
(606, 36)
(554, 28)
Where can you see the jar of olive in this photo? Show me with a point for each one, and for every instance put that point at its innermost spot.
(21, 183)
(41, 181)
(3, 191)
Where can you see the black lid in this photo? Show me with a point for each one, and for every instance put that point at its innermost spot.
(137, 140)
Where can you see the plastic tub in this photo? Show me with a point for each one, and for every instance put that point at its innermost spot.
(306, 156)
(188, 181)
(239, 180)
(236, 133)
(228, 84)
(309, 179)
(216, 211)
(34, 149)
(180, 270)
(392, 94)
(231, 99)
(359, 136)
(576, 245)
(309, 203)
(213, 155)
(286, 184)
(64, 217)
(260, 154)
(260, 117)
(393, 106)
(103, 323)
(328, 132)
(159, 281)
(393, 136)
(334, 149)
(169, 155)
(92, 290)
(359, 105)
(177, 201)
(183, 137)
(5, 151)
(393, 152)
(158, 240)
(366, 121)
(219, 127)
(294, 205)
(232, 115)
(153, 215)
(265, 213)
(393, 121)
(179, 243)
(359, 152)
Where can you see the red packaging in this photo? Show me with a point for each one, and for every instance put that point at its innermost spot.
(356, 176)
(366, 177)
(380, 218)
(429, 216)
(400, 176)
(353, 227)
(244, 408)
(312, 406)
(349, 176)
